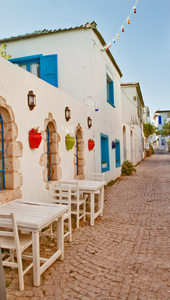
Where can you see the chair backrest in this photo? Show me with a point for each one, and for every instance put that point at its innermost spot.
(6, 225)
(75, 193)
(60, 194)
(8, 228)
(96, 176)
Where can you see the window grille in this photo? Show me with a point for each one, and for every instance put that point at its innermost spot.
(48, 154)
(2, 162)
(77, 173)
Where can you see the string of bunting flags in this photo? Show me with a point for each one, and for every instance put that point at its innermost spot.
(122, 29)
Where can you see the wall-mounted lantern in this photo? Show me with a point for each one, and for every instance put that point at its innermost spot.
(89, 122)
(67, 114)
(31, 100)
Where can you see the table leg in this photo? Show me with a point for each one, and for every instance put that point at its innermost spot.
(60, 236)
(92, 209)
(102, 200)
(36, 258)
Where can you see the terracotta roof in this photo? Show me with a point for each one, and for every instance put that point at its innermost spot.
(137, 85)
(161, 111)
(91, 25)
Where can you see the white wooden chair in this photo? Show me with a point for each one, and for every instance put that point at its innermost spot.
(78, 200)
(95, 177)
(16, 243)
(61, 194)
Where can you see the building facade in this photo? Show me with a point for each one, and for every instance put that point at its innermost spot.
(159, 119)
(132, 117)
(68, 71)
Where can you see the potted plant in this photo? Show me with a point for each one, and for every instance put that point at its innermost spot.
(34, 138)
(127, 168)
(91, 144)
(69, 142)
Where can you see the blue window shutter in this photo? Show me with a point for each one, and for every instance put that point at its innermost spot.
(160, 121)
(48, 65)
(2, 161)
(111, 93)
(117, 154)
(105, 152)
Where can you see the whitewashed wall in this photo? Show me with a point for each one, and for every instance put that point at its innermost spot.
(74, 50)
(131, 120)
(108, 119)
(82, 71)
(15, 83)
(14, 86)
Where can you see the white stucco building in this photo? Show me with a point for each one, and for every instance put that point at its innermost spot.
(159, 119)
(146, 114)
(132, 117)
(73, 73)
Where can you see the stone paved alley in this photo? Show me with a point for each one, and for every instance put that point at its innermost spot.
(126, 255)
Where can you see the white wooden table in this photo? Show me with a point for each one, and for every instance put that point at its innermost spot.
(32, 217)
(91, 187)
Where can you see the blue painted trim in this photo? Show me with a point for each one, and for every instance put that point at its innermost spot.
(3, 159)
(76, 156)
(48, 154)
(25, 59)
(117, 154)
(104, 143)
(54, 75)
(110, 90)
(51, 78)
(111, 103)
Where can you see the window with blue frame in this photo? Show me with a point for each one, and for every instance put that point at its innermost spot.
(48, 154)
(42, 66)
(105, 163)
(110, 90)
(77, 158)
(117, 154)
(163, 142)
(159, 119)
(2, 162)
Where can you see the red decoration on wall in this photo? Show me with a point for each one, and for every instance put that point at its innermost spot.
(91, 144)
(34, 138)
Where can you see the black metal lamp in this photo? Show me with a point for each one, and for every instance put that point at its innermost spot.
(31, 100)
(67, 114)
(89, 122)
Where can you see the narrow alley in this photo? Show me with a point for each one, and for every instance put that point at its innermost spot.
(126, 255)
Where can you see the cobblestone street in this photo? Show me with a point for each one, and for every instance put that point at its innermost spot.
(126, 255)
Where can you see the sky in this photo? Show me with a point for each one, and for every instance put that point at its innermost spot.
(142, 52)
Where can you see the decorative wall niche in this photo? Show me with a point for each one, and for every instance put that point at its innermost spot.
(13, 149)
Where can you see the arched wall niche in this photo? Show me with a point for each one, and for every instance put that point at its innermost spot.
(54, 139)
(13, 149)
(79, 156)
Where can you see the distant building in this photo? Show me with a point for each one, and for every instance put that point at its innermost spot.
(132, 118)
(146, 114)
(159, 119)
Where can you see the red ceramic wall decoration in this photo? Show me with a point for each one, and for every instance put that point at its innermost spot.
(34, 138)
(91, 144)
